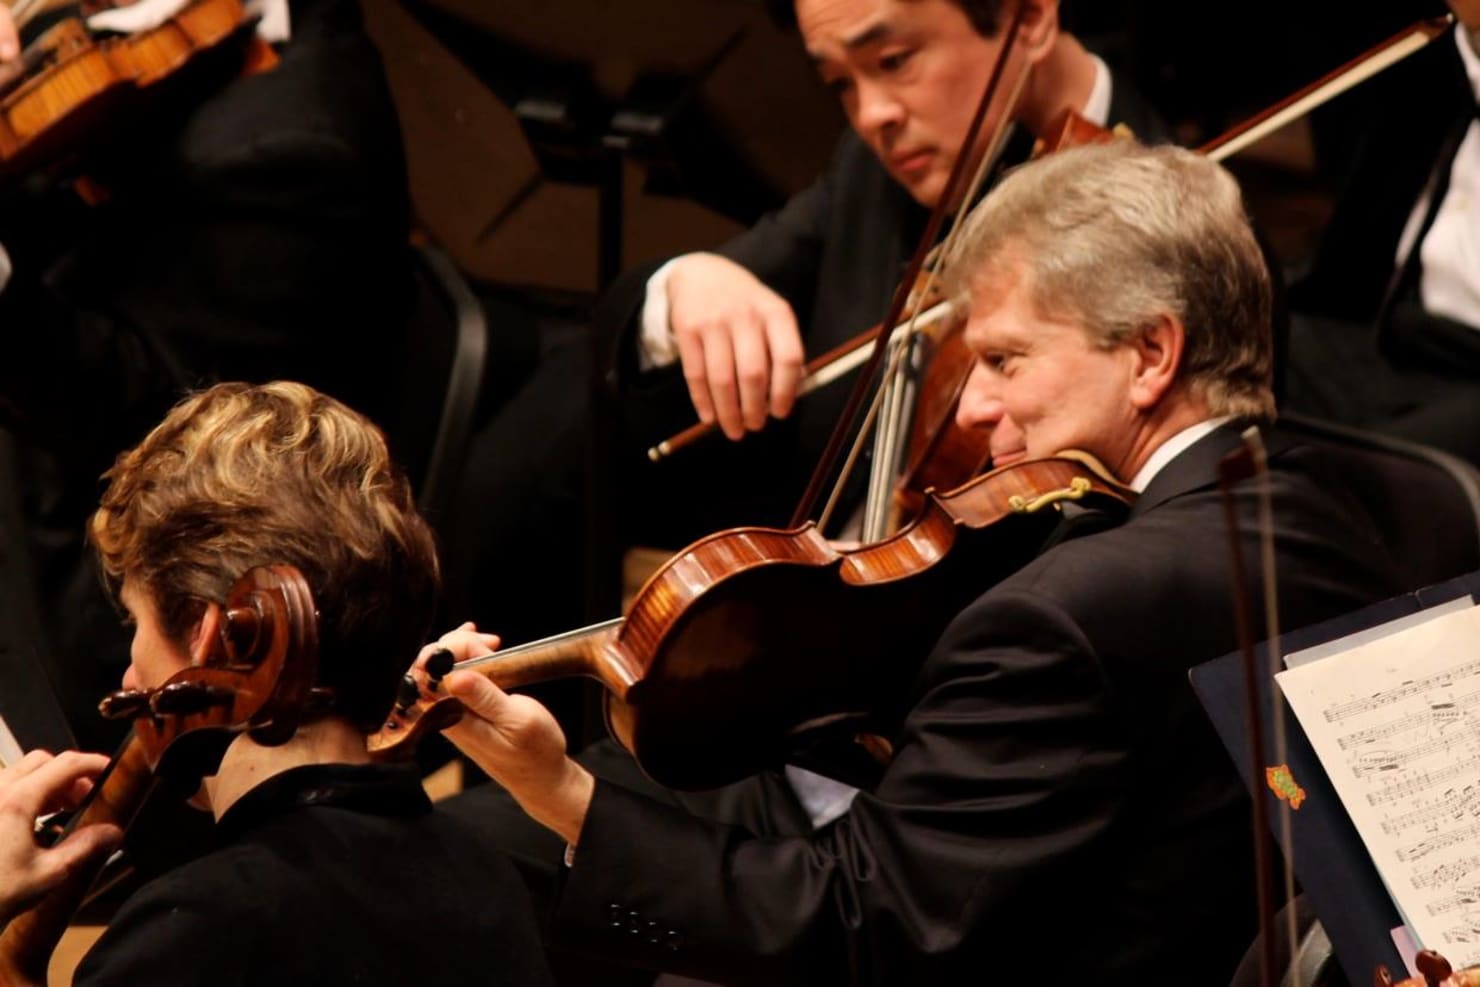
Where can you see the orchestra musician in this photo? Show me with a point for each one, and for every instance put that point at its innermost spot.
(325, 868)
(723, 334)
(1056, 806)
(254, 229)
(1386, 325)
(36, 785)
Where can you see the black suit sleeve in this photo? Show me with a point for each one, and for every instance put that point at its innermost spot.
(1010, 766)
(783, 249)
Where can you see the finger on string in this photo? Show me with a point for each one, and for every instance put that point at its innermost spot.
(47, 788)
(28, 763)
(82, 845)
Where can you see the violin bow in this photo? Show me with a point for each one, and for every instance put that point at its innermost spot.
(1374, 60)
(841, 360)
(861, 386)
(894, 396)
(1246, 462)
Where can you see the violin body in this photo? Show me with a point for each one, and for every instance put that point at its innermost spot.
(754, 642)
(73, 89)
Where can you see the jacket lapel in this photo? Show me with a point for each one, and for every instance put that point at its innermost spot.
(1196, 467)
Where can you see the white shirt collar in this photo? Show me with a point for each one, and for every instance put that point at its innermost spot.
(1097, 107)
(1465, 42)
(1171, 449)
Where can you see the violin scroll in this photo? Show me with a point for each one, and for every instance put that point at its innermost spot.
(255, 673)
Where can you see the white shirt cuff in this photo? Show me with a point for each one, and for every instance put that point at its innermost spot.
(656, 346)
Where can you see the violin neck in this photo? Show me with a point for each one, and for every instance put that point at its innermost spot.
(586, 651)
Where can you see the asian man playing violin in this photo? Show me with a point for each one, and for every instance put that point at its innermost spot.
(326, 868)
(723, 334)
(1056, 808)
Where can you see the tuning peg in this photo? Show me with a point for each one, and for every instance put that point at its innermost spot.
(124, 704)
(407, 693)
(185, 698)
(439, 663)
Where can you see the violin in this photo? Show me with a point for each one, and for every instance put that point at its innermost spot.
(755, 642)
(253, 673)
(71, 89)
(941, 455)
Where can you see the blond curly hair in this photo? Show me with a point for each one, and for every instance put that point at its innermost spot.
(241, 475)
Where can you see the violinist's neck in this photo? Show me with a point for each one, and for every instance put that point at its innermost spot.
(1156, 427)
(1063, 80)
(248, 764)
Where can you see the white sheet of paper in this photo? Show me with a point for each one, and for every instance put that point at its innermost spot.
(1396, 724)
(10, 748)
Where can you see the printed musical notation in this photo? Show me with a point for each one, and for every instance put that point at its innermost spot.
(1396, 724)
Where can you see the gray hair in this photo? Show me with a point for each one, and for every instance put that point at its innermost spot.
(1113, 236)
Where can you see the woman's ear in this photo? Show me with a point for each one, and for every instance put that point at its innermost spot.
(205, 633)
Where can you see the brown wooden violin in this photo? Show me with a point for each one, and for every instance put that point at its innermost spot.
(73, 88)
(938, 453)
(254, 673)
(755, 641)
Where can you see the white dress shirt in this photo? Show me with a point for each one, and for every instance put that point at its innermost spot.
(1171, 449)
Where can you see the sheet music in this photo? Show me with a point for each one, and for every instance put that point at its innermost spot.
(10, 748)
(1396, 724)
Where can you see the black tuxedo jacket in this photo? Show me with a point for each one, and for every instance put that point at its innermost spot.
(1057, 806)
(835, 251)
(329, 874)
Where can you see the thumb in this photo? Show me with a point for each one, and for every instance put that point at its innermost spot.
(87, 844)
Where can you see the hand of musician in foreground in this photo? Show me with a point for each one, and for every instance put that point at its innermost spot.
(35, 785)
(738, 342)
(515, 740)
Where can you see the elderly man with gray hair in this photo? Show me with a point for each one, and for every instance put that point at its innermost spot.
(1056, 807)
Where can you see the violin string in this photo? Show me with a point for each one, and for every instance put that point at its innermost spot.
(869, 378)
(888, 447)
(896, 348)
